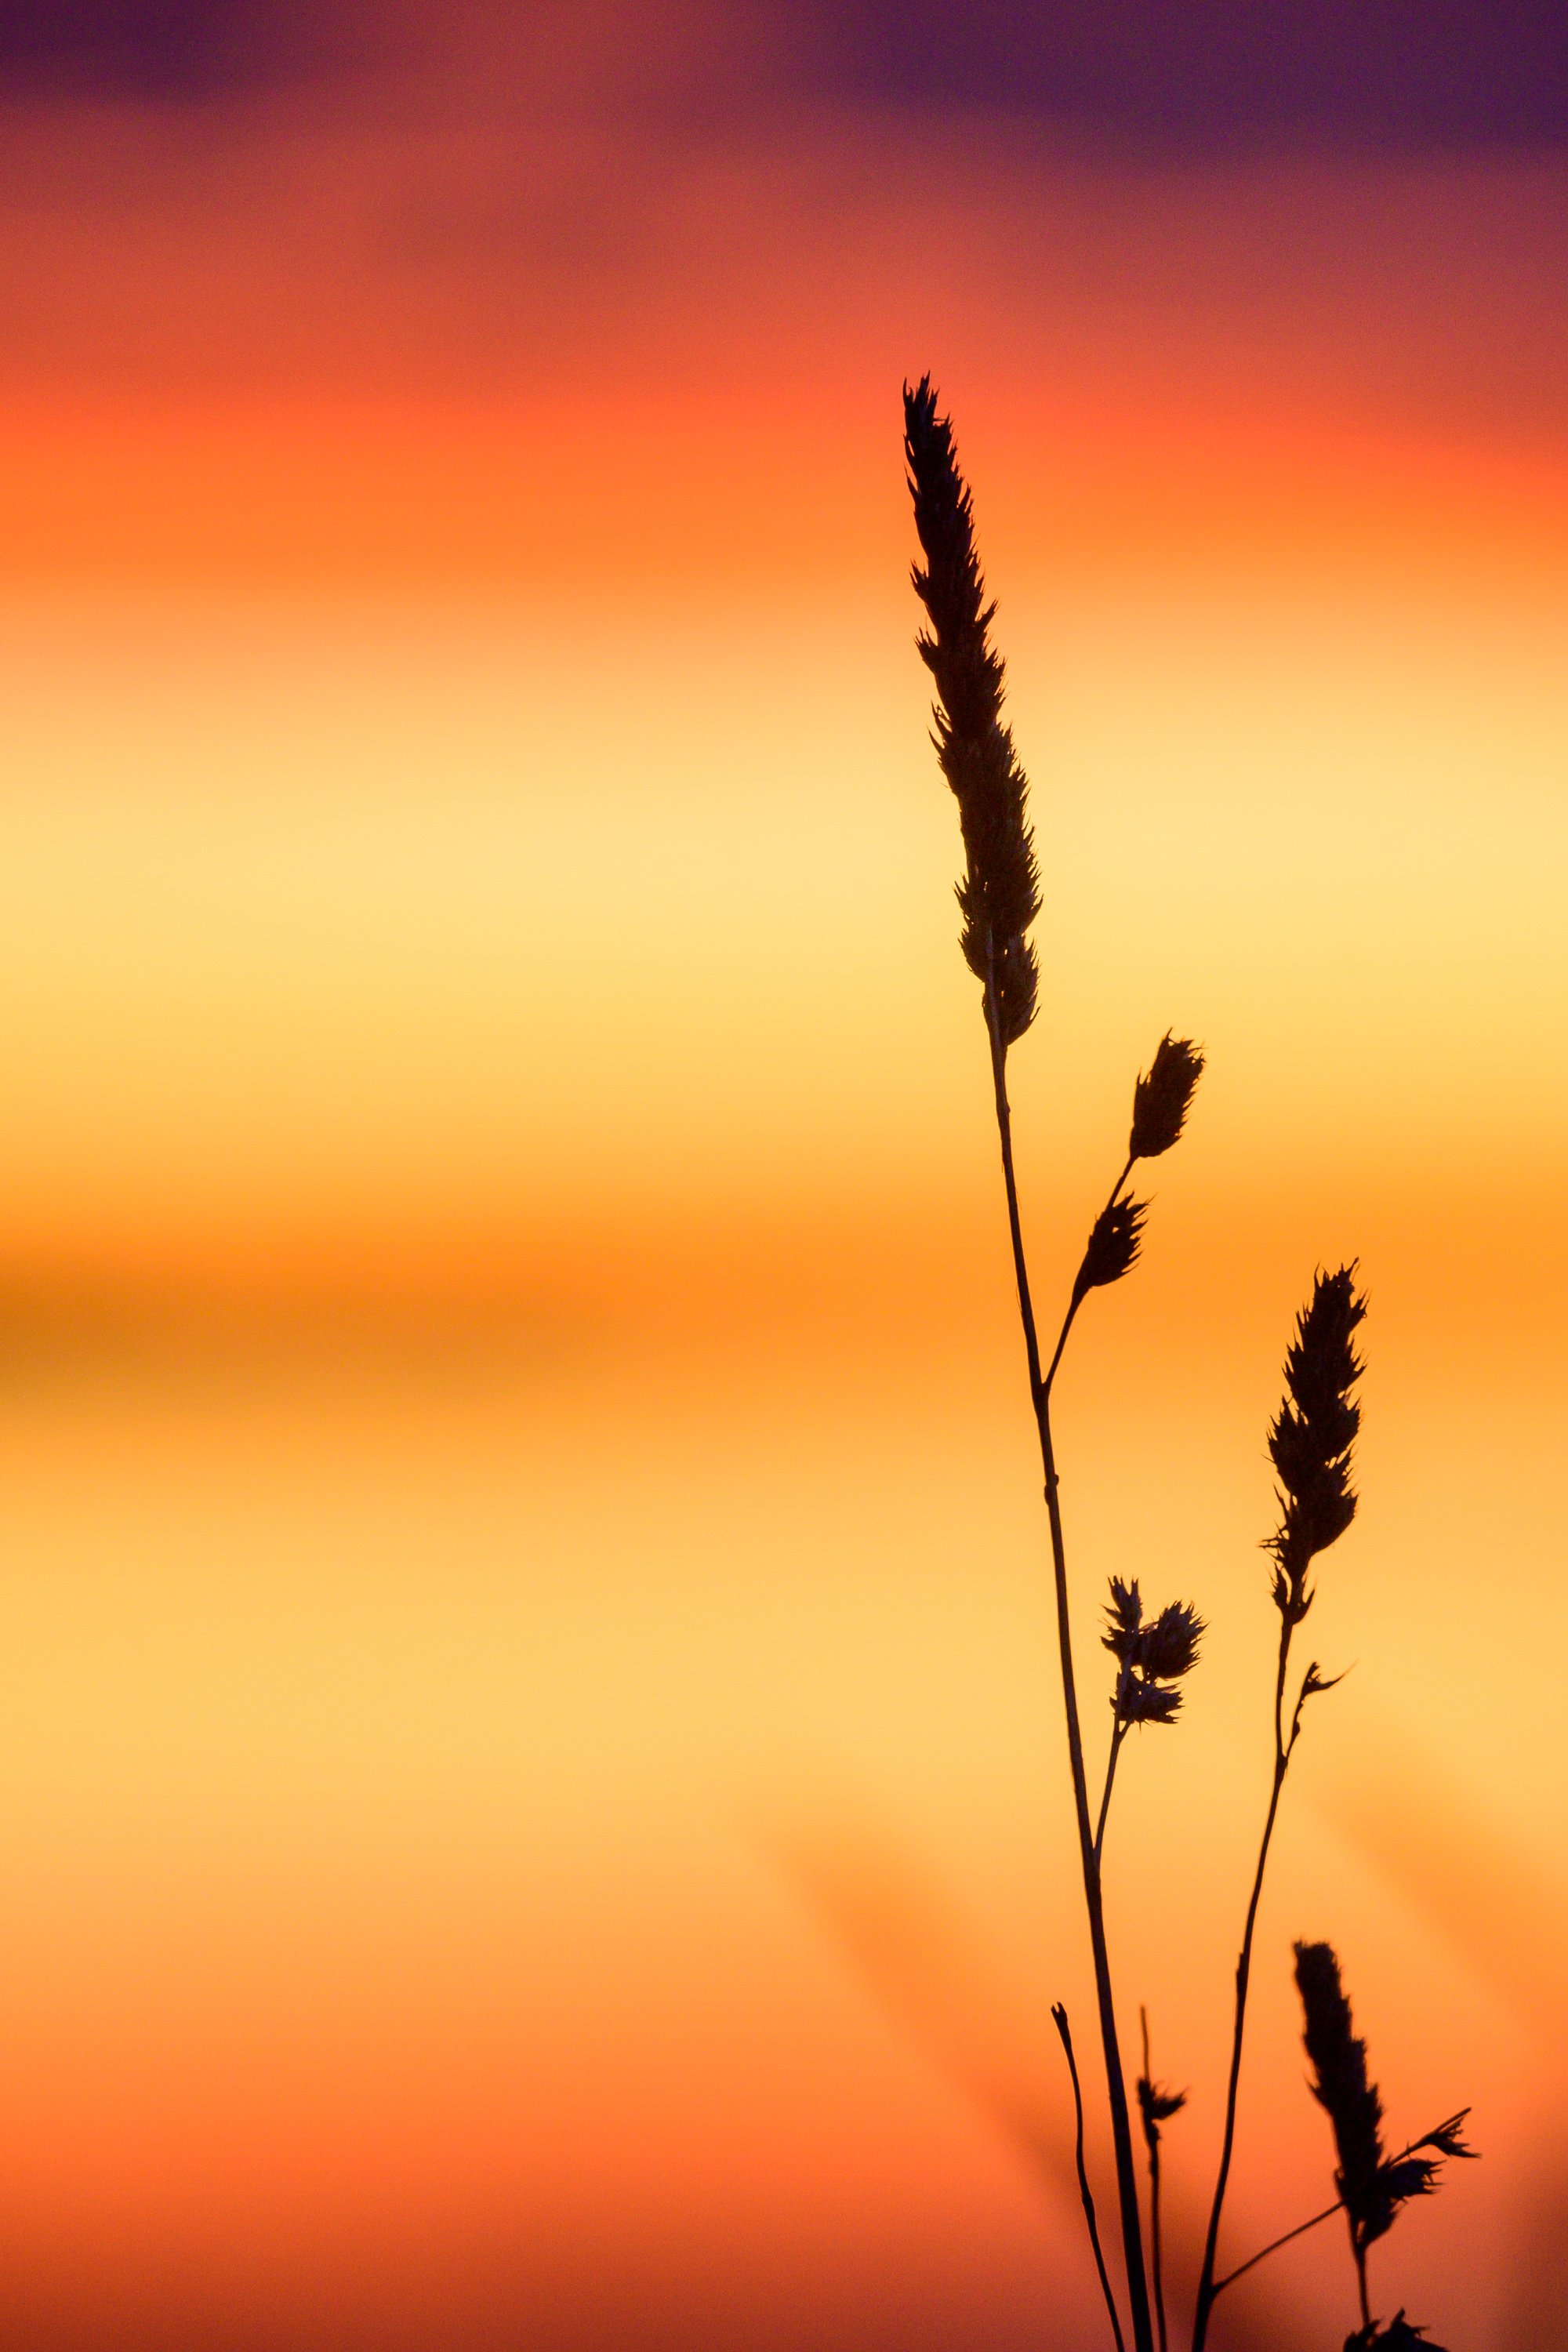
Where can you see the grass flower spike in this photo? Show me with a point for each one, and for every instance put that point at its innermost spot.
(1114, 1245)
(1157, 2106)
(1345, 2093)
(999, 896)
(1372, 2186)
(1163, 1095)
(1151, 1656)
(1311, 1440)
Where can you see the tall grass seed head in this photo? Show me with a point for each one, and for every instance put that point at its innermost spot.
(1311, 1437)
(999, 894)
(1373, 2187)
(1343, 2089)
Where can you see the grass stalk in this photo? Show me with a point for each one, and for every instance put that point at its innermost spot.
(1151, 2108)
(1059, 2018)
(1206, 2288)
(1119, 1734)
(1311, 1445)
(1115, 2087)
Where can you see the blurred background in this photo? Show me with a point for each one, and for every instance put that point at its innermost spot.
(532, 1803)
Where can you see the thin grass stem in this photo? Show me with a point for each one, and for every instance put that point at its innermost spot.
(1115, 2087)
(1078, 1298)
(1118, 1734)
(1059, 2018)
(1151, 2139)
(1206, 2289)
(1273, 2247)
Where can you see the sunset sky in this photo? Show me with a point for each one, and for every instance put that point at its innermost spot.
(534, 1803)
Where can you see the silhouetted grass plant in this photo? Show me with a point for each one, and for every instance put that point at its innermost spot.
(1311, 1445)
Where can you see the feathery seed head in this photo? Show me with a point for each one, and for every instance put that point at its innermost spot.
(1124, 1616)
(1415, 2175)
(1373, 2187)
(1151, 1656)
(1136, 1699)
(1449, 2138)
(1405, 2177)
(1344, 2090)
(1315, 1682)
(999, 894)
(1170, 1646)
(1310, 1438)
(1157, 2106)
(1113, 1249)
(1161, 1097)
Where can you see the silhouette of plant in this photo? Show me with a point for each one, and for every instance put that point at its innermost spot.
(1371, 2187)
(1311, 1445)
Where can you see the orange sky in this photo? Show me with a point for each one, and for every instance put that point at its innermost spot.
(534, 1811)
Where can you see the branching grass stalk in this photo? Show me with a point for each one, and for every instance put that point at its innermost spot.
(1079, 1296)
(1120, 1727)
(1311, 1445)
(1115, 2087)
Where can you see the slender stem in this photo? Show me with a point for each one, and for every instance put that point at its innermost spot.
(1152, 2135)
(1115, 2087)
(1243, 1976)
(1068, 1321)
(1360, 2276)
(1060, 2017)
(1118, 1731)
(1273, 2247)
(1076, 1302)
(1118, 1734)
(1155, 2240)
